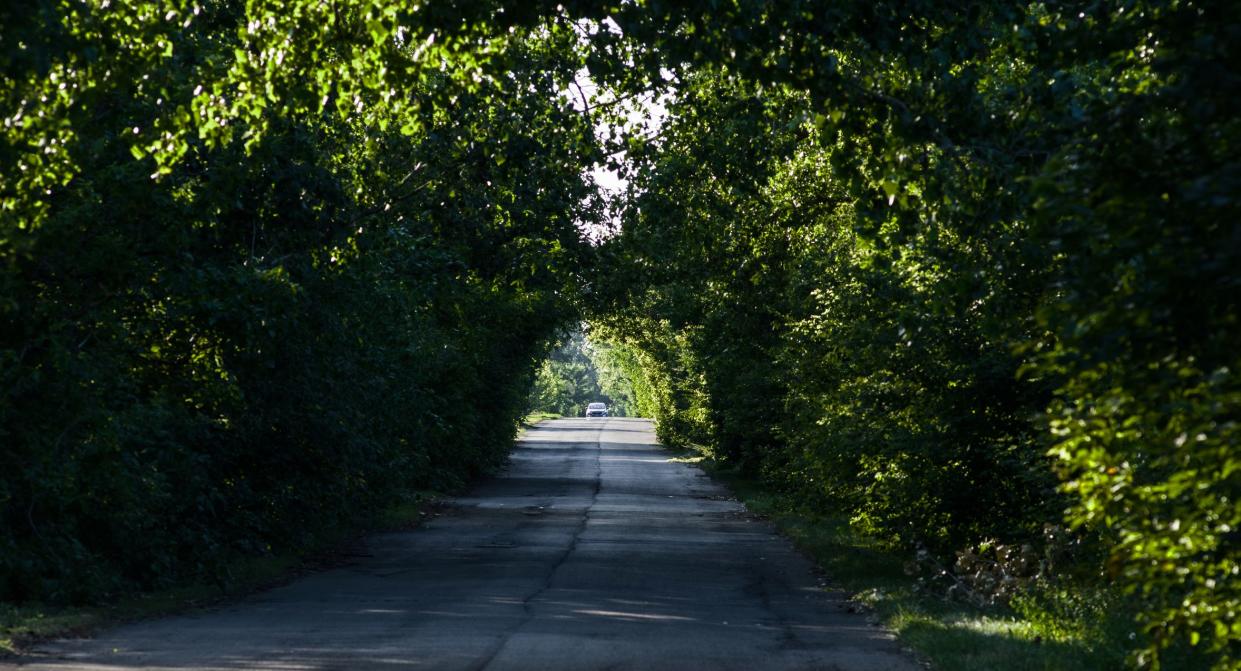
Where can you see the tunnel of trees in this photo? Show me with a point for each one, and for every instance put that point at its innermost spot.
(959, 271)
(579, 372)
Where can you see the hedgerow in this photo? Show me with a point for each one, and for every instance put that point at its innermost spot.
(960, 272)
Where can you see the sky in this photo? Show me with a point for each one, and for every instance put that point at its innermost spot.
(647, 113)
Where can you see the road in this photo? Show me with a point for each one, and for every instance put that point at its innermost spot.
(592, 551)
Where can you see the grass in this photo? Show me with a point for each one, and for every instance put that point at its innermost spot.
(538, 416)
(951, 636)
(24, 625)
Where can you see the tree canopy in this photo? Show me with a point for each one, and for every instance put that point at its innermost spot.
(966, 272)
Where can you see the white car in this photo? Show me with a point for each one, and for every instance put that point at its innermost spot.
(597, 410)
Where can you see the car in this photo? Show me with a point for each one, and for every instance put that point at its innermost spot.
(597, 410)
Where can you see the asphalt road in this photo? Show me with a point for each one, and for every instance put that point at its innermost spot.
(593, 551)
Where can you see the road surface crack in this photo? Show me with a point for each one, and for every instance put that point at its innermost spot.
(550, 576)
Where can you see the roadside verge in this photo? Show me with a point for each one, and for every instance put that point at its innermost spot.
(943, 633)
(26, 625)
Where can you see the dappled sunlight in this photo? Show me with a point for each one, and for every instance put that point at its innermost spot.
(997, 627)
(698, 459)
(997, 642)
(594, 543)
(635, 616)
(964, 279)
(635, 460)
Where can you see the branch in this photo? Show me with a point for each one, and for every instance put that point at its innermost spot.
(582, 95)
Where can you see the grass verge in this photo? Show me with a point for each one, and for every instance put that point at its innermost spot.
(24, 625)
(950, 636)
(536, 417)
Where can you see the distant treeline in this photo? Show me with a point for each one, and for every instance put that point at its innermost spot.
(580, 372)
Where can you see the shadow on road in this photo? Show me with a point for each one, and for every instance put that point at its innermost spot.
(592, 551)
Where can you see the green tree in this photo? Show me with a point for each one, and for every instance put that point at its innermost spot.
(914, 249)
(279, 331)
(580, 372)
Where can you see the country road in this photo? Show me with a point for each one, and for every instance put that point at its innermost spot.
(592, 551)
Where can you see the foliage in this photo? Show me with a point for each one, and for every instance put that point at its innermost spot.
(580, 372)
(622, 378)
(1077, 630)
(805, 351)
(913, 261)
(567, 380)
(993, 573)
(914, 264)
(284, 331)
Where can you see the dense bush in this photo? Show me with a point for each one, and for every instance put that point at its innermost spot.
(916, 261)
(271, 341)
(916, 267)
(792, 345)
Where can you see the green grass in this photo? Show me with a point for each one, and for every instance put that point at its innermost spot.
(951, 636)
(538, 416)
(23, 625)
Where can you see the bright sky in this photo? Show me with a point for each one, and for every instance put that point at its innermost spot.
(646, 114)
